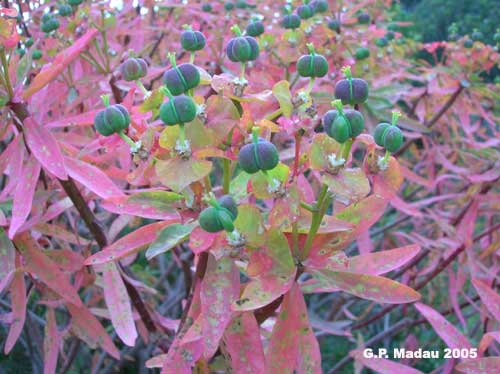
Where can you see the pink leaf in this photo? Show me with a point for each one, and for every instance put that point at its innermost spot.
(451, 336)
(486, 365)
(489, 297)
(86, 326)
(370, 287)
(243, 343)
(61, 61)
(293, 348)
(51, 343)
(118, 303)
(23, 195)
(382, 262)
(83, 119)
(18, 302)
(152, 205)
(383, 366)
(92, 178)
(37, 263)
(45, 148)
(127, 245)
(7, 259)
(220, 287)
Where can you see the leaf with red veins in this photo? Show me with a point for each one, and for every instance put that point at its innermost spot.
(244, 345)
(59, 63)
(449, 333)
(219, 289)
(387, 182)
(369, 287)
(293, 348)
(178, 174)
(127, 245)
(349, 185)
(92, 177)
(45, 148)
(272, 272)
(23, 195)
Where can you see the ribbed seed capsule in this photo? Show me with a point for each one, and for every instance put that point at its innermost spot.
(305, 11)
(312, 66)
(359, 91)
(242, 49)
(253, 158)
(112, 119)
(192, 40)
(214, 219)
(179, 109)
(181, 78)
(255, 28)
(133, 69)
(291, 21)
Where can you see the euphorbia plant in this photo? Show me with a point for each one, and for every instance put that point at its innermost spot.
(235, 162)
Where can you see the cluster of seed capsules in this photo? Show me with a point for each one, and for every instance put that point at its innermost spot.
(341, 124)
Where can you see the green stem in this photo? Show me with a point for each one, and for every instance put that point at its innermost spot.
(129, 141)
(295, 238)
(308, 207)
(182, 133)
(346, 148)
(226, 175)
(386, 157)
(273, 115)
(5, 66)
(242, 70)
(236, 29)
(191, 57)
(143, 89)
(105, 100)
(324, 200)
(310, 86)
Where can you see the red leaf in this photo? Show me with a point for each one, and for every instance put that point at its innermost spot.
(18, 302)
(61, 61)
(382, 262)
(370, 287)
(118, 303)
(293, 348)
(243, 343)
(23, 195)
(51, 343)
(92, 178)
(220, 287)
(37, 263)
(489, 297)
(127, 245)
(451, 336)
(140, 205)
(7, 260)
(383, 366)
(44, 147)
(86, 326)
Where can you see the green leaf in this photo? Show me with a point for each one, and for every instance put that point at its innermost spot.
(177, 173)
(264, 185)
(168, 238)
(322, 146)
(281, 92)
(152, 103)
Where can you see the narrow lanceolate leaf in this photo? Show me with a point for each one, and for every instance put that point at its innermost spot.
(272, 271)
(118, 303)
(7, 259)
(293, 348)
(59, 64)
(382, 262)
(384, 366)
(86, 326)
(51, 343)
(244, 346)
(449, 333)
(23, 195)
(127, 245)
(168, 238)
(44, 147)
(485, 365)
(150, 204)
(220, 287)
(370, 287)
(37, 263)
(18, 302)
(92, 178)
(490, 298)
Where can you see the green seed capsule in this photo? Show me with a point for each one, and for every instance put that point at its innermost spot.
(319, 6)
(356, 122)
(291, 21)
(364, 18)
(111, 120)
(192, 40)
(227, 201)
(29, 42)
(382, 42)
(46, 17)
(255, 28)
(228, 6)
(50, 25)
(65, 10)
(390, 35)
(241, 4)
(305, 11)
(181, 78)
(179, 109)
(214, 219)
(263, 157)
(393, 139)
(335, 127)
(75, 2)
(378, 134)
(477, 36)
(362, 53)
(339, 129)
(133, 69)
(312, 66)
(359, 91)
(334, 25)
(242, 49)
(468, 43)
(36, 55)
(209, 220)
(207, 8)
